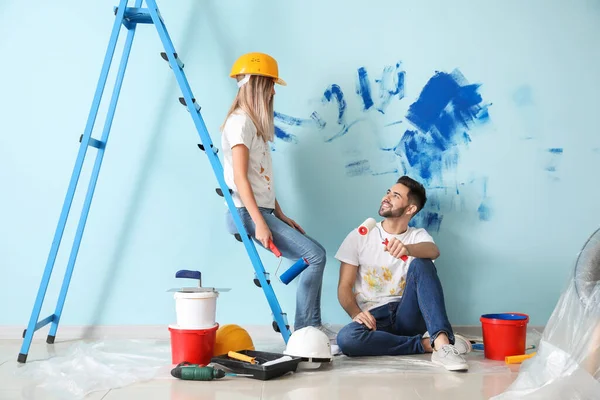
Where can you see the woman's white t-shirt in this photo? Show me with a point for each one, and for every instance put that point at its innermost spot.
(239, 129)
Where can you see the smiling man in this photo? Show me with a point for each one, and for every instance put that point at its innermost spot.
(393, 303)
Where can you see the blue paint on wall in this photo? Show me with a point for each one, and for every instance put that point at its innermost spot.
(335, 92)
(446, 103)
(393, 123)
(484, 210)
(445, 111)
(358, 168)
(391, 84)
(428, 220)
(363, 88)
(552, 163)
(286, 137)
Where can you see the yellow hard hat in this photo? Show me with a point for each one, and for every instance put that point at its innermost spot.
(232, 338)
(257, 64)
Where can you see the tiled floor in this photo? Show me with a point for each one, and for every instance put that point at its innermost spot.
(375, 378)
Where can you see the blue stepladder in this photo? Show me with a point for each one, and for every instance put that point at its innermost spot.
(130, 17)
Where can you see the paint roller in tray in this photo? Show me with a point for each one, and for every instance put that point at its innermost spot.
(367, 226)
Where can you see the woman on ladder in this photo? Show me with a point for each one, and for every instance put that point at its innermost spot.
(246, 133)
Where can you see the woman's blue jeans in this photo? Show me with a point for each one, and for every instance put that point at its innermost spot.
(293, 245)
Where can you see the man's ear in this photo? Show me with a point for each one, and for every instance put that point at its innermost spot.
(411, 210)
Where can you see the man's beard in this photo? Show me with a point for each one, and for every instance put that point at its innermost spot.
(391, 213)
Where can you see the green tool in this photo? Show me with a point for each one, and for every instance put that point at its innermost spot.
(194, 372)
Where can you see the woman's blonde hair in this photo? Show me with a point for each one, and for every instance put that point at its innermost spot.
(256, 100)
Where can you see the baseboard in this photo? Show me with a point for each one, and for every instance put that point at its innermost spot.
(161, 332)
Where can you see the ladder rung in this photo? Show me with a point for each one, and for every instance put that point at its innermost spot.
(183, 102)
(93, 142)
(179, 62)
(134, 15)
(220, 192)
(201, 146)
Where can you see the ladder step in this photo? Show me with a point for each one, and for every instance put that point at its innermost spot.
(257, 282)
(201, 146)
(93, 142)
(220, 193)
(179, 62)
(183, 102)
(134, 15)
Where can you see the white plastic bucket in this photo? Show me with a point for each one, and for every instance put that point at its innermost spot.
(196, 310)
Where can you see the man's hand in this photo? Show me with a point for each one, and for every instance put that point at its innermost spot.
(396, 248)
(365, 318)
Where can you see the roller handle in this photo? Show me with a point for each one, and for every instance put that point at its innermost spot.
(274, 249)
(403, 258)
(241, 357)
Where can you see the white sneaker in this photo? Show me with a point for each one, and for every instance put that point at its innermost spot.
(331, 334)
(449, 357)
(462, 344)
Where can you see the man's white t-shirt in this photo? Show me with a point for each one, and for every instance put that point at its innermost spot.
(380, 278)
(239, 129)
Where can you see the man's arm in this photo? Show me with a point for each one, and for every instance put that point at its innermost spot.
(418, 250)
(423, 250)
(347, 298)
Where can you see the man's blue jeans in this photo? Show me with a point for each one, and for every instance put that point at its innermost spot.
(401, 325)
(294, 245)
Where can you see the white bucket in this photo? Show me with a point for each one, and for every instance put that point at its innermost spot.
(196, 310)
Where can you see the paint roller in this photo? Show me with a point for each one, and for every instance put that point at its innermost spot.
(293, 271)
(367, 226)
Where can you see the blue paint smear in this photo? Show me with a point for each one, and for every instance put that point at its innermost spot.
(555, 154)
(286, 137)
(392, 171)
(445, 102)
(393, 123)
(391, 84)
(363, 88)
(447, 106)
(484, 211)
(335, 92)
(431, 221)
(344, 130)
(358, 168)
(288, 120)
(318, 120)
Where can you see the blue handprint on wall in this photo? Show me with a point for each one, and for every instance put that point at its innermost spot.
(441, 117)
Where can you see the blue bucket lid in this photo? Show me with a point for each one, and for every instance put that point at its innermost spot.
(505, 316)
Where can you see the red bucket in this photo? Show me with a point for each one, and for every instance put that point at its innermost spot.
(195, 346)
(504, 335)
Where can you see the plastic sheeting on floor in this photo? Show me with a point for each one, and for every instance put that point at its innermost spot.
(567, 363)
(97, 366)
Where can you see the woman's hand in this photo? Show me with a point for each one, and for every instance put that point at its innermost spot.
(263, 234)
(291, 223)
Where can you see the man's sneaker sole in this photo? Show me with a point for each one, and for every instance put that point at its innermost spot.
(453, 368)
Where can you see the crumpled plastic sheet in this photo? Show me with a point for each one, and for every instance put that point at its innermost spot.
(408, 364)
(567, 363)
(96, 366)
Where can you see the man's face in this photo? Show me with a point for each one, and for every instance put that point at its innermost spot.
(395, 202)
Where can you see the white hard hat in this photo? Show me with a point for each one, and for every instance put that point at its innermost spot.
(311, 344)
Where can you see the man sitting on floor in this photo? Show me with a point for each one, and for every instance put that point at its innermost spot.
(392, 302)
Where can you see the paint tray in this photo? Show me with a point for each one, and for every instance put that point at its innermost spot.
(258, 371)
